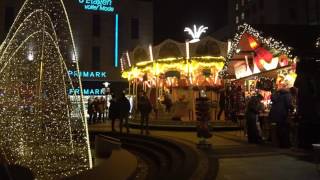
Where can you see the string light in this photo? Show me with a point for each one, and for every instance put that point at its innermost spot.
(246, 28)
(40, 127)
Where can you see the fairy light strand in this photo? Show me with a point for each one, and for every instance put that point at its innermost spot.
(246, 28)
(45, 132)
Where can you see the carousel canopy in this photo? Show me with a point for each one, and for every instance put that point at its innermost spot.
(172, 58)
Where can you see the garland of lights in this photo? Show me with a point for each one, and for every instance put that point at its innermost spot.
(40, 128)
(180, 64)
(246, 28)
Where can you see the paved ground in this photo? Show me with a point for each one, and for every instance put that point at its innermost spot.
(241, 161)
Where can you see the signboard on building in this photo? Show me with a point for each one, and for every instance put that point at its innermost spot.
(92, 83)
(88, 74)
(97, 5)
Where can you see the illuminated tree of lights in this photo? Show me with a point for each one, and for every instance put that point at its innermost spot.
(40, 127)
(195, 33)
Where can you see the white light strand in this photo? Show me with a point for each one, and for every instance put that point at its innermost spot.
(40, 128)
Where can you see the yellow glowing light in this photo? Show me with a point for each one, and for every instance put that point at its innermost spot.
(41, 128)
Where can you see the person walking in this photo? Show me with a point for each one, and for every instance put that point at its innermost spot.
(124, 110)
(222, 103)
(96, 111)
(167, 102)
(113, 111)
(279, 112)
(100, 105)
(91, 110)
(144, 106)
(252, 113)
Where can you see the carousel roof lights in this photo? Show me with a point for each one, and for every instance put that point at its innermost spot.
(151, 52)
(195, 33)
(128, 57)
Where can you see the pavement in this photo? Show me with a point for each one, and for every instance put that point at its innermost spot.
(238, 160)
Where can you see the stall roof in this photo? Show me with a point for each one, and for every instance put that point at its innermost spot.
(301, 37)
(296, 40)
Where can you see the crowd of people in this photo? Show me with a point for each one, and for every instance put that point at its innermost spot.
(119, 110)
(282, 106)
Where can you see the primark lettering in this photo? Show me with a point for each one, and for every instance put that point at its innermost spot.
(88, 74)
(87, 92)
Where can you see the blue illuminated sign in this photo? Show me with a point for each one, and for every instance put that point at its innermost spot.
(88, 74)
(116, 41)
(98, 5)
(87, 92)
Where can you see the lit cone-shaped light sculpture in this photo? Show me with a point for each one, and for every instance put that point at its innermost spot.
(40, 127)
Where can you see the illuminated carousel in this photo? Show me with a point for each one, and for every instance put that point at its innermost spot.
(178, 72)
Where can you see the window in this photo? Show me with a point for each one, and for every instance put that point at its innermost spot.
(9, 18)
(262, 19)
(135, 28)
(237, 20)
(96, 25)
(242, 2)
(261, 4)
(293, 14)
(95, 58)
(237, 7)
(247, 13)
(242, 16)
(254, 8)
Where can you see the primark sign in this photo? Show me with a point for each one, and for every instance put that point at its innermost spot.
(87, 91)
(88, 74)
(97, 5)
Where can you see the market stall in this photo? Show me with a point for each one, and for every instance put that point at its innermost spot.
(256, 64)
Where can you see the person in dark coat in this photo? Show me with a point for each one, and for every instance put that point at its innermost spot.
(144, 106)
(279, 112)
(96, 110)
(167, 102)
(113, 111)
(254, 106)
(124, 110)
(91, 110)
(222, 103)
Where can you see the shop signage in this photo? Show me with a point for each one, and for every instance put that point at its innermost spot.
(87, 92)
(88, 74)
(97, 5)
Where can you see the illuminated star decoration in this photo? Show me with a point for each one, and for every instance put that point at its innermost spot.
(195, 33)
(41, 127)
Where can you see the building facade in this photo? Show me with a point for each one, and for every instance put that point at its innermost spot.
(101, 34)
(288, 12)
(277, 12)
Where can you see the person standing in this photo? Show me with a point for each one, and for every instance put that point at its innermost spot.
(222, 103)
(254, 107)
(144, 106)
(167, 102)
(91, 110)
(100, 112)
(113, 111)
(279, 112)
(96, 109)
(124, 110)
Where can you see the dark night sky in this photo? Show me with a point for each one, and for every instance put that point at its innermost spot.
(171, 16)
